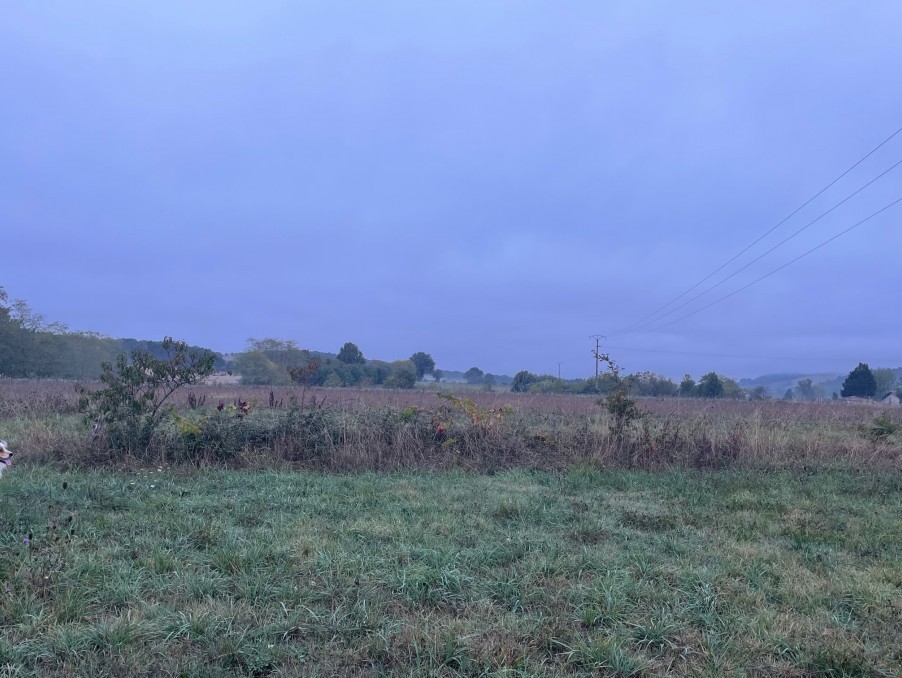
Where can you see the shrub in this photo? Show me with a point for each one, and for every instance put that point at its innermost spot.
(881, 428)
(131, 403)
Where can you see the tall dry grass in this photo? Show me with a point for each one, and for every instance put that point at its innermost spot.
(355, 430)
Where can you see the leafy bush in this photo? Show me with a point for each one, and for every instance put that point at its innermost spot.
(622, 409)
(131, 403)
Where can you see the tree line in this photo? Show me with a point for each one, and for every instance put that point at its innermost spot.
(32, 347)
(861, 382)
(276, 362)
(643, 384)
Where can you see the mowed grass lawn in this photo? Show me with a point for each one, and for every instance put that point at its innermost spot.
(222, 573)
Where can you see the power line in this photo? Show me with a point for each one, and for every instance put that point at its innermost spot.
(780, 268)
(705, 355)
(642, 320)
(761, 256)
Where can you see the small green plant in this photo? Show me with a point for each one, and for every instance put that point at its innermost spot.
(622, 409)
(46, 552)
(880, 430)
(136, 390)
(618, 402)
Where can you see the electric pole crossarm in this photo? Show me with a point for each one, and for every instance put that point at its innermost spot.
(597, 351)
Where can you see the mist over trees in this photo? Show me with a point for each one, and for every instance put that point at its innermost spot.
(474, 375)
(884, 379)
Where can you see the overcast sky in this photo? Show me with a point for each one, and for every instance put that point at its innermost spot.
(489, 182)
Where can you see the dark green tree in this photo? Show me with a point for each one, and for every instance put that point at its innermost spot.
(687, 387)
(710, 386)
(379, 371)
(351, 355)
(423, 363)
(522, 381)
(860, 382)
(437, 374)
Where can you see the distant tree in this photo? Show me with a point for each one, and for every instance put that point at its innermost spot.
(731, 388)
(32, 321)
(332, 381)
(687, 387)
(30, 346)
(13, 342)
(710, 386)
(522, 381)
(488, 381)
(351, 355)
(423, 363)
(255, 368)
(379, 371)
(548, 384)
(650, 384)
(404, 375)
(474, 375)
(269, 361)
(808, 390)
(788, 395)
(860, 382)
(437, 374)
(662, 386)
(605, 384)
(759, 393)
(885, 378)
(805, 389)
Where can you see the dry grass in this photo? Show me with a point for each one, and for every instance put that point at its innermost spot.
(355, 430)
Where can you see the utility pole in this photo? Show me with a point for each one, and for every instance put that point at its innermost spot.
(597, 352)
(559, 370)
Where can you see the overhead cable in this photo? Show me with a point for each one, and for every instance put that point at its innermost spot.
(642, 320)
(639, 327)
(767, 275)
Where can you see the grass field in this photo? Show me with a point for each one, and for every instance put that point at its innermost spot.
(222, 572)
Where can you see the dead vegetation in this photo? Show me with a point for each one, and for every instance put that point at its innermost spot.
(341, 430)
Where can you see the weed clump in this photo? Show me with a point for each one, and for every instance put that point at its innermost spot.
(881, 428)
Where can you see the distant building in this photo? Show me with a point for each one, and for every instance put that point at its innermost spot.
(858, 400)
(890, 398)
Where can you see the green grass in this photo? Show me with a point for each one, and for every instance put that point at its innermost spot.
(222, 573)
